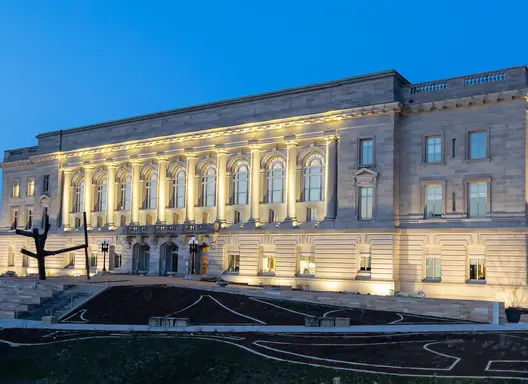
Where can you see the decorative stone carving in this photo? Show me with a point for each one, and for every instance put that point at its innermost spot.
(45, 201)
(365, 176)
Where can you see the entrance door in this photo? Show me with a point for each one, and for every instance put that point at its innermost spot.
(140, 259)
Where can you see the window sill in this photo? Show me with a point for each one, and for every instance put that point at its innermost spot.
(434, 163)
(478, 219)
(435, 220)
(271, 274)
(432, 280)
(476, 282)
(306, 275)
(231, 273)
(367, 166)
(480, 160)
(363, 276)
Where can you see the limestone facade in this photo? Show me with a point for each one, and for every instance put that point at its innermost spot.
(365, 184)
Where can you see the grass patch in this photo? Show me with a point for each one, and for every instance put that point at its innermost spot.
(167, 360)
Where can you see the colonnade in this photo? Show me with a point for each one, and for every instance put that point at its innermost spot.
(330, 185)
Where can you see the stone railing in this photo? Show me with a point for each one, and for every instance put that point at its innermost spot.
(463, 86)
(169, 229)
(485, 78)
(429, 87)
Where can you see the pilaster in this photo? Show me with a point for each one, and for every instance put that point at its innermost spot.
(254, 183)
(134, 206)
(190, 185)
(330, 180)
(162, 189)
(291, 184)
(110, 195)
(88, 186)
(221, 180)
(66, 196)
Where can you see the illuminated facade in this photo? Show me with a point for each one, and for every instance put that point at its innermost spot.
(365, 184)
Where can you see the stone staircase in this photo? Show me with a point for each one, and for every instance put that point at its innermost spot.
(18, 296)
(63, 302)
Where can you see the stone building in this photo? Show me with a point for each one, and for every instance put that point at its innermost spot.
(367, 184)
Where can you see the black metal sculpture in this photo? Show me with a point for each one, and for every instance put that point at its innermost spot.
(40, 243)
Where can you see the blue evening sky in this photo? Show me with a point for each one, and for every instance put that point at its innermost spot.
(66, 63)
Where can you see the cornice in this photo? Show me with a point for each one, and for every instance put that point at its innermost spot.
(326, 117)
(464, 102)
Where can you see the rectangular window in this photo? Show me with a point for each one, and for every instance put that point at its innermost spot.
(271, 217)
(15, 192)
(433, 201)
(233, 263)
(70, 260)
(237, 217)
(45, 187)
(365, 203)
(477, 269)
(478, 199)
(310, 214)
(268, 264)
(25, 261)
(306, 263)
(366, 156)
(477, 145)
(364, 262)
(433, 268)
(118, 260)
(30, 187)
(93, 260)
(14, 218)
(433, 149)
(29, 218)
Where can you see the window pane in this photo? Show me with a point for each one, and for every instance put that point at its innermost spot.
(477, 149)
(429, 268)
(366, 151)
(433, 196)
(478, 199)
(438, 268)
(365, 202)
(434, 149)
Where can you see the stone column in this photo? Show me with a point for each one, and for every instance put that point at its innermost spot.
(291, 181)
(66, 197)
(330, 179)
(190, 183)
(134, 206)
(162, 190)
(254, 186)
(110, 195)
(88, 179)
(221, 184)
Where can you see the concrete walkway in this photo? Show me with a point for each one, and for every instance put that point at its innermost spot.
(413, 328)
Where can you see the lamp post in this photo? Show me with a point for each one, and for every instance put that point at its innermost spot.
(104, 249)
(193, 249)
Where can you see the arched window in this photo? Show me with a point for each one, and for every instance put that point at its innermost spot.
(240, 183)
(208, 187)
(78, 198)
(178, 190)
(100, 197)
(124, 193)
(314, 178)
(151, 187)
(275, 191)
